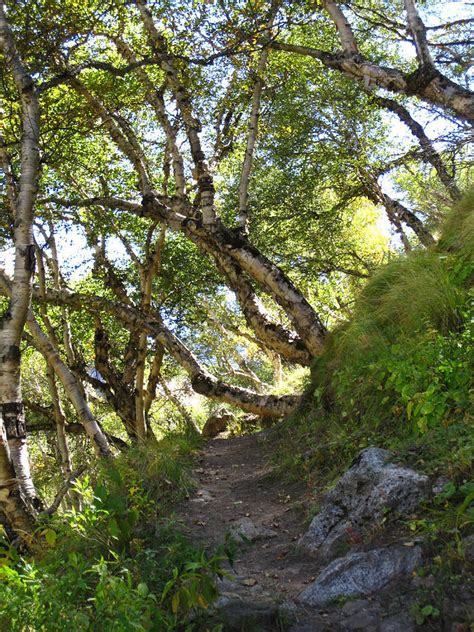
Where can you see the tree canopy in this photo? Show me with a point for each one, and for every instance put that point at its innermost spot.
(205, 187)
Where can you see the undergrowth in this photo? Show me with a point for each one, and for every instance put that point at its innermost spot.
(120, 561)
(398, 373)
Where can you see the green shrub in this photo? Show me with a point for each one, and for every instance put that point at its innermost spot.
(119, 563)
(398, 373)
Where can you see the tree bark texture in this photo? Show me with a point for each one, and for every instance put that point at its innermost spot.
(15, 475)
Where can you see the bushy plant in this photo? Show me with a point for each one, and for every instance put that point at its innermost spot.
(120, 562)
(398, 373)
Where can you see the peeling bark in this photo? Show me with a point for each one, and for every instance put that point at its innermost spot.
(274, 335)
(18, 496)
(428, 84)
(269, 276)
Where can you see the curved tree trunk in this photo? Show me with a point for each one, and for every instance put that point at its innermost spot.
(69, 382)
(14, 453)
(224, 242)
(202, 381)
(428, 84)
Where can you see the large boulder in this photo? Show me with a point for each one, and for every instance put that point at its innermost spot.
(372, 487)
(217, 423)
(361, 574)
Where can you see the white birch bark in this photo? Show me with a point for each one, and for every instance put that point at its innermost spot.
(14, 458)
(417, 29)
(348, 41)
(431, 87)
(253, 129)
(69, 382)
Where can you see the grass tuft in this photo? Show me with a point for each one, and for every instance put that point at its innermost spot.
(398, 373)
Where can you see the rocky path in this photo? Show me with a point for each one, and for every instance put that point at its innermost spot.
(238, 493)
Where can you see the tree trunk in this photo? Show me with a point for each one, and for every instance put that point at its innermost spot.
(14, 454)
(426, 83)
(69, 382)
(202, 381)
(16, 507)
(188, 418)
(60, 424)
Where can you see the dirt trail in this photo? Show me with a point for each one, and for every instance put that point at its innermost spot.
(235, 482)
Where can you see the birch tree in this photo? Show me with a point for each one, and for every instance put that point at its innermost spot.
(18, 496)
(207, 152)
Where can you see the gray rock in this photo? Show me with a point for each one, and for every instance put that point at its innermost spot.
(424, 582)
(202, 496)
(217, 423)
(239, 615)
(226, 585)
(351, 608)
(288, 608)
(364, 620)
(439, 484)
(468, 547)
(225, 600)
(361, 574)
(246, 530)
(360, 498)
(401, 622)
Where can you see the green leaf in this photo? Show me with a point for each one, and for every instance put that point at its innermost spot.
(175, 603)
(50, 536)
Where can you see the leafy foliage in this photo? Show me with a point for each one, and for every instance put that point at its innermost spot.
(119, 562)
(399, 372)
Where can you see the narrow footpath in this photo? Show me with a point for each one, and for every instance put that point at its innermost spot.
(237, 493)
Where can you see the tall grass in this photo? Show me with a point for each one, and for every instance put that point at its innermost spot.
(398, 372)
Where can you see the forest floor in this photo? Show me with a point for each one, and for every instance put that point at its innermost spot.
(238, 490)
(235, 482)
